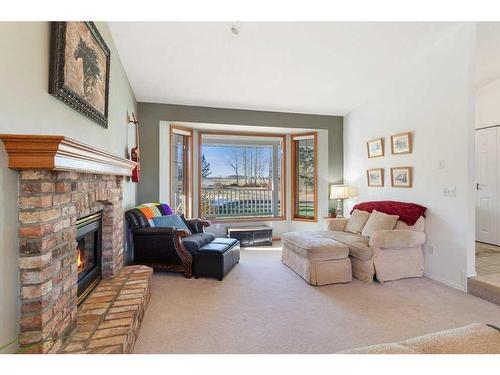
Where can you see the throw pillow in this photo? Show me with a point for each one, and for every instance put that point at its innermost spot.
(165, 208)
(192, 229)
(357, 221)
(379, 221)
(170, 221)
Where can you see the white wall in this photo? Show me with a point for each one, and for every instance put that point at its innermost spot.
(279, 226)
(487, 74)
(434, 100)
(27, 108)
(488, 105)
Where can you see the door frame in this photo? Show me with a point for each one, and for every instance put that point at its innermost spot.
(492, 176)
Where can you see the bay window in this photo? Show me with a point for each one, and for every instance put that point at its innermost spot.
(304, 177)
(241, 176)
(181, 141)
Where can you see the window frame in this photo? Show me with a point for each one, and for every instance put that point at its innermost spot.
(283, 177)
(188, 167)
(294, 173)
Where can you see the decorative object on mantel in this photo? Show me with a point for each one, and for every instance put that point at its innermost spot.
(340, 192)
(375, 148)
(135, 151)
(375, 177)
(57, 152)
(401, 177)
(79, 69)
(401, 143)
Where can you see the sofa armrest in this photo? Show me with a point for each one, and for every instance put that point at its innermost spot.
(337, 224)
(397, 238)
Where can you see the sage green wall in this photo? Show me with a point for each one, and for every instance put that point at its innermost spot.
(27, 108)
(150, 115)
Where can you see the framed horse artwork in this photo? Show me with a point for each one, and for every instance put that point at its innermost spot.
(79, 69)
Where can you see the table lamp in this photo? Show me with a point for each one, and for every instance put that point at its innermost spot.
(339, 192)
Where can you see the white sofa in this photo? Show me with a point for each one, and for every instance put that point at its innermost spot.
(387, 255)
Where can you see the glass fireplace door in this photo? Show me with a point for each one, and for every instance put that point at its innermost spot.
(89, 239)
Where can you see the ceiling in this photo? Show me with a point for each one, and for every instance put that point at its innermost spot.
(320, 68)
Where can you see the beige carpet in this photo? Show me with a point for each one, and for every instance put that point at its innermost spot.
(264, 307)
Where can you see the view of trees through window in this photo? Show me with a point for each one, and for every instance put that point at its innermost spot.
(241, 176)
(179, 171)
(305, 165)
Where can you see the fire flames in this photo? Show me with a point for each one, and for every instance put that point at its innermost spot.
(79, 260)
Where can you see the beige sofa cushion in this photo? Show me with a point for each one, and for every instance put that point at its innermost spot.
(357, 221)
(397, 238)
(419, 226)
(358, 245)
(379, 221)
(315, 246)
(476, 338)
(337, 223)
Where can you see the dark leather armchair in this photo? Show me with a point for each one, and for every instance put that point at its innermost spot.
(166, 248)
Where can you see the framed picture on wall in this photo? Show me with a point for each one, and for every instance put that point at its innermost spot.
(79, 69)
(375, 148)
(375, 177)
(401, 143)
(401, 177)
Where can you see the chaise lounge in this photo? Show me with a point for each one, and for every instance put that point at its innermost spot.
(384, 241)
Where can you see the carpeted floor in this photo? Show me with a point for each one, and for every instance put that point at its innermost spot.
(264, 307)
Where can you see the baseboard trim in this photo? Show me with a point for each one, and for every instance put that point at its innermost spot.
(462, 288)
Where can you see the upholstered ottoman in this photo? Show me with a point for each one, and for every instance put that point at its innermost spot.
(319, 260)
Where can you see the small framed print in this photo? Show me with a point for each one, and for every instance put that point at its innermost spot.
(401, 143)
(375, 148)
(375, 177)
(401, 177)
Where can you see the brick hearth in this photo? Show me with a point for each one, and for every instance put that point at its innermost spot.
(108, 320)
(50, 202)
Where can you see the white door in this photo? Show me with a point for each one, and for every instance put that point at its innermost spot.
(486, 185)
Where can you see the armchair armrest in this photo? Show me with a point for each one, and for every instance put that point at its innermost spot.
(198, 225)
(397, 238)
(337, 224)
(153, 231)
(162, 247)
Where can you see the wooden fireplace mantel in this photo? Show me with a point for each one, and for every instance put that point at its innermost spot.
(60, 153)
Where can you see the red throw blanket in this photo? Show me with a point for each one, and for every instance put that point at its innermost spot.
(408, 212)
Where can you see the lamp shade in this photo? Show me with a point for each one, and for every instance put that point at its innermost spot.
(339, 192)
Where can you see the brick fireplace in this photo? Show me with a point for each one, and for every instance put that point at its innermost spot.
(60, 182)
(50, 203)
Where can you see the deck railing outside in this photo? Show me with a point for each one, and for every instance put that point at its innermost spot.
(237, 202)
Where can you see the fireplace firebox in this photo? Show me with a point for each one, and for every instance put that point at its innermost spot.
(89, 239)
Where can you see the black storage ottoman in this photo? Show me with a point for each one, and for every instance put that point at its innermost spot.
(216, 258)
